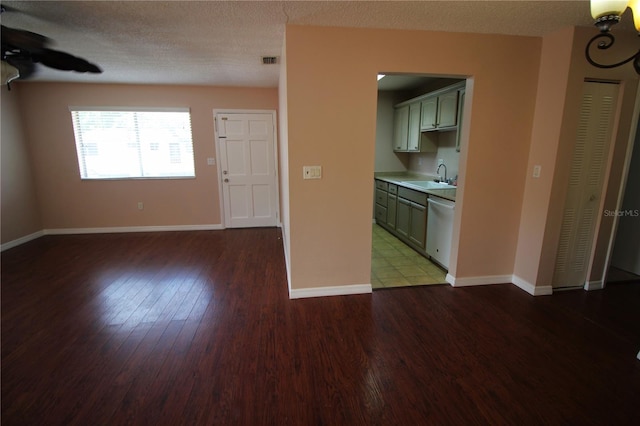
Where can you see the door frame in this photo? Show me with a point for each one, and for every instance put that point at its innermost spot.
(635, 128)
(224, 221)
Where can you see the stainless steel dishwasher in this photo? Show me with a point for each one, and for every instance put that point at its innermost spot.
(440, 229)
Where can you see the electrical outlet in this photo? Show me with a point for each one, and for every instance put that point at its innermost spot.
(440, 161)
(140, 205)
(420, 161)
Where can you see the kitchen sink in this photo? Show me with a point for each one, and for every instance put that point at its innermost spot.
(428, 184)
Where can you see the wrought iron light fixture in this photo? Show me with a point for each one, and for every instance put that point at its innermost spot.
(607, 13)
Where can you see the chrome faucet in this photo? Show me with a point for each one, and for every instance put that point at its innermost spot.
(445, 172)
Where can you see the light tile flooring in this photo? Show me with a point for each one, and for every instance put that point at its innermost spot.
(394, 264)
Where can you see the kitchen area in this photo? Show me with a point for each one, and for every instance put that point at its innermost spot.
(415, 179)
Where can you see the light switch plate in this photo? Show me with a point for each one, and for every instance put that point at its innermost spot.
(536, 171)
(211, 161)
(312, 172)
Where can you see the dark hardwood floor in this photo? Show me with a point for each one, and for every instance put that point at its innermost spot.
(196, 328)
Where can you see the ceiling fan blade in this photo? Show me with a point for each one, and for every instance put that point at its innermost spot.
(23, 40)
(65, 61)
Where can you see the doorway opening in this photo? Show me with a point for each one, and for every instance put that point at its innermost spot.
(417, 141)
(625, 259)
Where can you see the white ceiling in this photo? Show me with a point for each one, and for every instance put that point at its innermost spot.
(221, 42)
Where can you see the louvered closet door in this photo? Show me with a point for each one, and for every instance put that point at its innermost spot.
(588, 167)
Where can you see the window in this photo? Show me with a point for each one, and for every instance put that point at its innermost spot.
(119, 143)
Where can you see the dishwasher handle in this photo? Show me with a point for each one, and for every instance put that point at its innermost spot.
(447, 205)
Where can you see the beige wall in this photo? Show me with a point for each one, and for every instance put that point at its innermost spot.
(68, 202)
(331, 95)
(548, 120)
(20, 212)
(562, 72)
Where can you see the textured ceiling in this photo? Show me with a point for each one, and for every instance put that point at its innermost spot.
(221, 42)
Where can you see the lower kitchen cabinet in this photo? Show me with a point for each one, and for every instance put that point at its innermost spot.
(403, 212)
(411, 223)
(418, 225)
(423, 222)
(392, 203)
(403, 217)
(381, 214)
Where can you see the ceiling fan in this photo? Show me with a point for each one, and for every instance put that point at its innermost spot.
(22, 50)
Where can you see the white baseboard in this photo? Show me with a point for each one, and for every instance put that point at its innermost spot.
(342, 290)
(21, 240)
(123, 229)
(500, 279)
(594, 285)
(530, 288)
(108, 230)
(473, 281)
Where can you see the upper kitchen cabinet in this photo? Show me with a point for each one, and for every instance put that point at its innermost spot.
(448, 110)
(401, 128)
(416, 118)
(440, 112)
(429, 115)
(407, 135)
(413, 142)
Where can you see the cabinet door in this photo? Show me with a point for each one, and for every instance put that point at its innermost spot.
(428, 117)
(391, 211)
(418, 225)
(448, 109)
(403, 216)
(400, 128)
(381, 214)
(413, 142)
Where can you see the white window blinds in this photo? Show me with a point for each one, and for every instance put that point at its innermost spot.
(115, 143)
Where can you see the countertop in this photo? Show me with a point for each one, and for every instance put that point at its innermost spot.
(404, 179)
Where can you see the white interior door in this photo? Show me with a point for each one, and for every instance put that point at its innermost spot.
(587, 174)
(248, 169)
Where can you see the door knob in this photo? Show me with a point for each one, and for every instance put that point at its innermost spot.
(226, 180)
(224, 172)
(592, 198)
